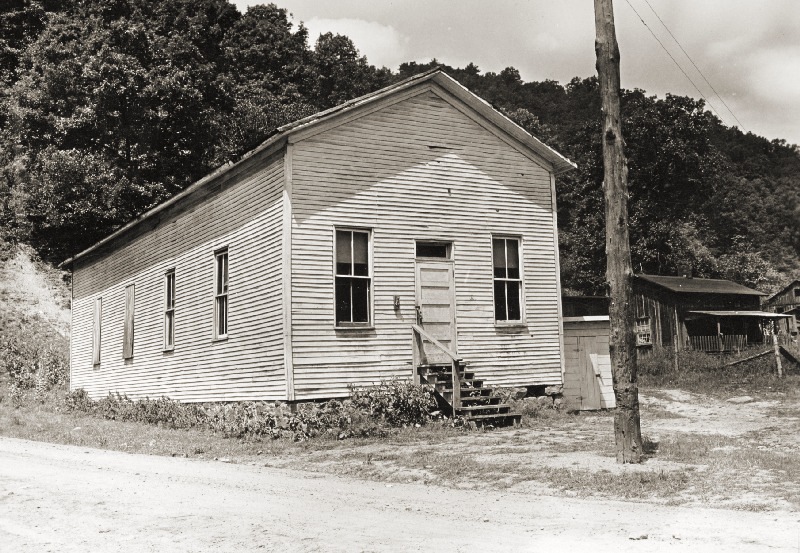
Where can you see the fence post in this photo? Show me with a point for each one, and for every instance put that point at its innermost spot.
(777, 355)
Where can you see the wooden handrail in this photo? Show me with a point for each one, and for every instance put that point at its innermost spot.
(417, 335)
(419, 330)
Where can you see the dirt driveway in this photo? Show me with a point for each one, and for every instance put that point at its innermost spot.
(67, 498)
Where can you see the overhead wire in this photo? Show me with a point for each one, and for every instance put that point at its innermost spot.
(685, 53)
(700, 92)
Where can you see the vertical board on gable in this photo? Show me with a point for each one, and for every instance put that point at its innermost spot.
(244, 215)
(419, 170)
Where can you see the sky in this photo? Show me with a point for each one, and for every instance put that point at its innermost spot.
(748, 50)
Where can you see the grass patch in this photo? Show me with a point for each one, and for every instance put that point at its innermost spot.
(655, 484)
(708, 374)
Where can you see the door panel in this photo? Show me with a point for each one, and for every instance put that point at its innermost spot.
(436, 302)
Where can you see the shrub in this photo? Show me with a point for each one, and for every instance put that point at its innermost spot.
(398, 402)
(367, 413)
(33, 359)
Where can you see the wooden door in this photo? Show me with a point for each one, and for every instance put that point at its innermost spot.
(436, 311)
(589, 373)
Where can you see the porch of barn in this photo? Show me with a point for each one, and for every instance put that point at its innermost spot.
(733, 331)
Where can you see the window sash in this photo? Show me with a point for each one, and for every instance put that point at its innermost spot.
(643, 331)
(352, 278)
(221, 295)
(97, 330)
(169, 310)
(507, 276)
(127, 335)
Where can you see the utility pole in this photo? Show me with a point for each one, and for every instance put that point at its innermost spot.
(619, 273)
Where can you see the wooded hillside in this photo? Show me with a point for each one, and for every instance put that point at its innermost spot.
(111, 106)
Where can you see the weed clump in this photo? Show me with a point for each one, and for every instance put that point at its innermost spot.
(370, 411)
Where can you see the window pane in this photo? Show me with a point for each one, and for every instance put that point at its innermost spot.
(499, 256)
(343, 252)
(169, 329)
(360, 254)
(222, 315)
(225, 273)
(219, 274)
(512, 299)
(512, 258)
(170, 303)
(343, 302)
(428, 249)
(500, 301)
(360, 300)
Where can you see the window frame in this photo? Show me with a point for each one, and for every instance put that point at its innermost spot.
(642, 326)
(522, 321)
(221, 293)
(447, 245)
(97, 330)
(349, 325)
(169, 310)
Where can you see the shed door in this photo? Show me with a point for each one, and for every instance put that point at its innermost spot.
(436, 306)
(582, 372)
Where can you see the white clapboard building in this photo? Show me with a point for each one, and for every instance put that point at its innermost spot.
(304, 268)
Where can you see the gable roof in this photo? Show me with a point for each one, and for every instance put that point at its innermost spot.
(793, 284)
(699, 285)
(558, 163)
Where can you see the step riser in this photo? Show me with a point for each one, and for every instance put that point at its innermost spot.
(478, 406)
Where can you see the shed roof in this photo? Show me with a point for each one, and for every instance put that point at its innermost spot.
(557, 162)
(699, 285)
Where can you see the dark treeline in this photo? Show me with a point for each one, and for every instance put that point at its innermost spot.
(111, 106)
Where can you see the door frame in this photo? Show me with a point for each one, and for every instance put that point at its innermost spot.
(420, 262)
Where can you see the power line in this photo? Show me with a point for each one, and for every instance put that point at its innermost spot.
(700, 92)
(695, 65)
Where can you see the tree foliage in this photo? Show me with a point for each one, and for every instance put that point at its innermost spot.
(111, 106)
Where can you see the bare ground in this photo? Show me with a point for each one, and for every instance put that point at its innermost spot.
(68, 498)
(552, 484)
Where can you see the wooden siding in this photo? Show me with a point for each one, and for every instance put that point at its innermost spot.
(246, 216)
(419, 170)
(787, 299)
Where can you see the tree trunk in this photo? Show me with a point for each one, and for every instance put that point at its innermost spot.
(619, 273)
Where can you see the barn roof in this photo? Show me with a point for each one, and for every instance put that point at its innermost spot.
(699, 285)
(758, 314)
(282, 135)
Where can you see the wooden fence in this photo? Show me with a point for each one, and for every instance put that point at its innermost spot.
(733, 342)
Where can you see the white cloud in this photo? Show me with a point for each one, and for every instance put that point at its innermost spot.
(382, 44)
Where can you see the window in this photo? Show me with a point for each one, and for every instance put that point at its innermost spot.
(221, 294)
(507, 280)
(98, 318)
(353, 279)
(127, 335)
(439, 250)
(642, 331)
(797, 292)
(169, 309)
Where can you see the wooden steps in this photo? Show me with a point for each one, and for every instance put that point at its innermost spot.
(477, 404)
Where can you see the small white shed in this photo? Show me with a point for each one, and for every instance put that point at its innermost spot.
(587, 363)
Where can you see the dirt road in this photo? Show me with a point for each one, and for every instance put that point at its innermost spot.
(65, 498)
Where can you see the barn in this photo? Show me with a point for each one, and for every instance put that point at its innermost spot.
(787, 301)
(703, 314)
(408, 229)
